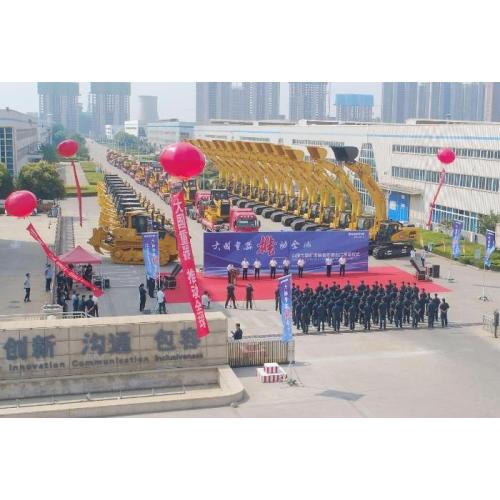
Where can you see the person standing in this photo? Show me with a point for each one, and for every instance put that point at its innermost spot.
(96, 305)
(142, 297)
(249, 295)
(415, 313)
(286, 266)
(48, 277)
(300, 266)
(230, 296)
(27, 288)
(423, 256)
(244, 266)
(90, 306)
(431, 311)
(342, 261)
(229, 268)
(443, 308)
(413, 254)
(256, 266)
(160, 299)
(272, 266)
(382, 315)
(205, 300)
(328, 263)
(75, 301)
(277, 299)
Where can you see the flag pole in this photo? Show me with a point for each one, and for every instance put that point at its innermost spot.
(483, 295)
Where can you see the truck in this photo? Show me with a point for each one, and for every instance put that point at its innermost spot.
(200, 203)
(243, 220)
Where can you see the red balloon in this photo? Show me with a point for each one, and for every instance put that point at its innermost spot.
(446, 155)
(20, 203)
(67, 148)
(182, 160)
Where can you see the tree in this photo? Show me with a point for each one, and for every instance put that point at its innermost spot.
(488, 222)
(126, 140)
(49, 153)
(6, 183)
(42, 180)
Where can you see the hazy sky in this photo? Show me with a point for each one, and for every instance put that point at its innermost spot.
(175, 100)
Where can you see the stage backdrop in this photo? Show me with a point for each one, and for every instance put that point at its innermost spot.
(220, 249)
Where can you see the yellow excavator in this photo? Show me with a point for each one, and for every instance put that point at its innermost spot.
(347, 218)
(388, 238)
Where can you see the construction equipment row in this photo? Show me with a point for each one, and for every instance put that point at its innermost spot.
(124, 216)
(277, 182)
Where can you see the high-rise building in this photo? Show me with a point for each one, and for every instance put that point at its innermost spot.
(354, 107)
(423, 100)
(213, 101)
(307, 100)
(109, 103)
(474, 101)
(58, 104)
(239, 102)
(492, 102)
(399, 101)
(263, 100)
(148, 109)
(441, 101)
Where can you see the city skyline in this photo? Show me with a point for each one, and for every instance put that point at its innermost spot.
(175, 100)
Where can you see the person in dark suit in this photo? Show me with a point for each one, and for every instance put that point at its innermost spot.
(142, 297)
(249, 295)
(230, 295)
(238, 333)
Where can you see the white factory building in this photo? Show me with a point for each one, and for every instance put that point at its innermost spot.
(18, 139)
(164, 132)
(403, 160)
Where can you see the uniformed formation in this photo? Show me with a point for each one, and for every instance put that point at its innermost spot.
(365, 305)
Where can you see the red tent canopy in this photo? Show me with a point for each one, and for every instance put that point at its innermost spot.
(79, 256)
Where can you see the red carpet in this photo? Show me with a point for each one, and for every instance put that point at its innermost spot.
(265, 287)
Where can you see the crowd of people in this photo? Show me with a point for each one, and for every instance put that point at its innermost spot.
(364, 306)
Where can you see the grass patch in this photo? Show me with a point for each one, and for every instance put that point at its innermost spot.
(441, 245)
(90, 190)
(93, 177)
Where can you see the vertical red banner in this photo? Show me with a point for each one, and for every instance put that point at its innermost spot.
(187, 261)
(78, 192)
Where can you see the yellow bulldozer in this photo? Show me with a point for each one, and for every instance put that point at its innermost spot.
(125, 243)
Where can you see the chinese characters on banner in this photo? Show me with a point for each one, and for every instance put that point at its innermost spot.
(65, 269)
(151, 251)
(455, 238)
(187, 262)
(221, 249)
(490, 247)
(285, 287)
(78, 191)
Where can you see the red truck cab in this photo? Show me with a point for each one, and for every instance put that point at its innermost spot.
(243, 220)
(201, 201)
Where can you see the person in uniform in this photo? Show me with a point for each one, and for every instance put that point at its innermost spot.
(367, 312)
(142, 298)
(238, 333)
(244, 267)
(328, 263)
(382, 315)
(230, 295)
(337, 315)
(431, 311)
(353, 312)
(437, 303)
(286, 266)
(249, 295)
(256, 266)
(300, 267)
(321, 316)
(305, 318)
(398, 314)
(443, 308)
(415, 313)
(272, 267)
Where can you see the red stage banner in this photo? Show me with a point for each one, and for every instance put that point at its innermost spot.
(187, 261)
(65, 269)
(78, 192)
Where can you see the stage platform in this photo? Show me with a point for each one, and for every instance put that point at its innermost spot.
(265, 287)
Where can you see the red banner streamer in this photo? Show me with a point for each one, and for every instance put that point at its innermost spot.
(187, 261)
(78, 191)
(65, 269)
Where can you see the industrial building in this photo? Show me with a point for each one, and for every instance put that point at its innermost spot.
(403, 160)
(164, 132)
(18, 139)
